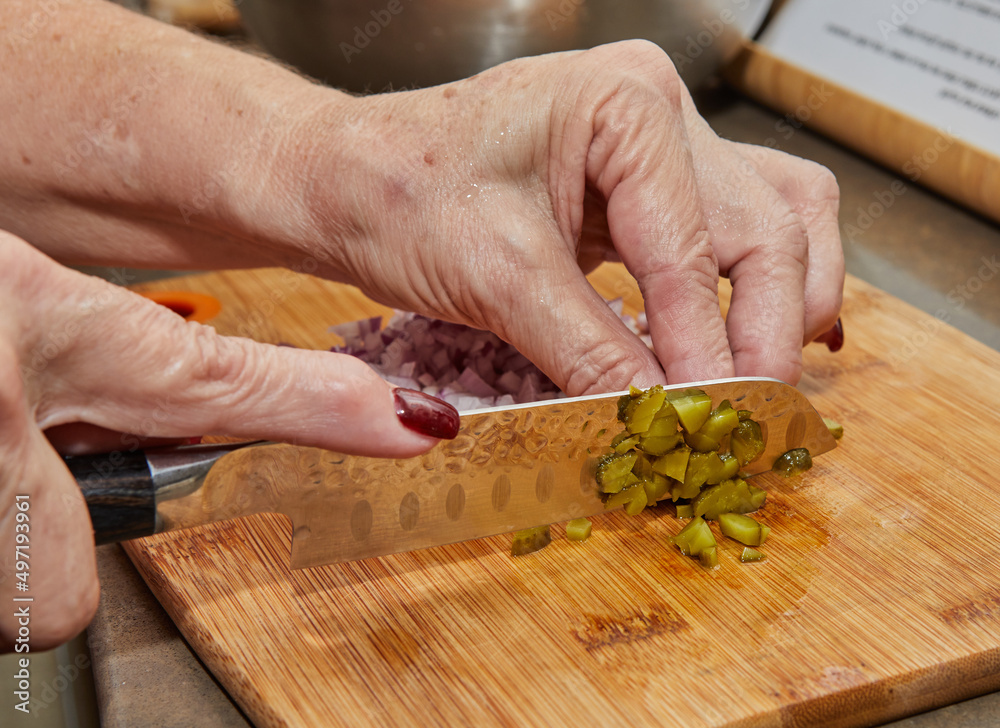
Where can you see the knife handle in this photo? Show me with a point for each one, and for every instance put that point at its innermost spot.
(119, 491)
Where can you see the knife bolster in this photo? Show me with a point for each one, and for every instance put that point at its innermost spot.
(119, 491)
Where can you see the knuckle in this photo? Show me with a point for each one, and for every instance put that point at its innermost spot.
(607, 367)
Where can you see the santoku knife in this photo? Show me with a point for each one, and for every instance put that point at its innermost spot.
(508, 469)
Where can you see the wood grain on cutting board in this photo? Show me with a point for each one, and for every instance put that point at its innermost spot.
(879, 597)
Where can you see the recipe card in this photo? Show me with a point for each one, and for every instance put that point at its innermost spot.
(937, 61)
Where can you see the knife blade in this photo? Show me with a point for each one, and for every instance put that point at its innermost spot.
(508, 469)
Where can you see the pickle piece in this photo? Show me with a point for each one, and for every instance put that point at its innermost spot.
(836, 429)
(625, 495)
(709, 557)
(578, 529)
(751, 554)
(722, 420)
(657, 488)
(613, 471)
(664, 424)
(700, 443)
(634, 507)
(674, 463)
(692, 410)
(702, 468)
(730, 466)
(743, 529)
(624, 442)
(657, 446)
(729, 496)
(685, 510)
(694, 538)
(793, 462)
(747, 442)
(646, 407)
(530, 540)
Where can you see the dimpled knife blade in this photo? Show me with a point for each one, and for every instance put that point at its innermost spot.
(509, 468)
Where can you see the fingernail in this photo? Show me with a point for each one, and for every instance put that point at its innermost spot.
(426, 414)
(834, 338)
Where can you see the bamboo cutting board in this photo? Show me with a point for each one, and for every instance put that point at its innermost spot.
(879, 597)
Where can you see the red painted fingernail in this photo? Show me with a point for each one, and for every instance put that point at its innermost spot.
(426, 414)
(834, 338)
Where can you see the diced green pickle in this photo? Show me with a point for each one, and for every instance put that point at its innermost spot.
(747, 442)
(694, 538)
(647, 405)
(743, 529)
(530, 540)
(673, 464)
(730, 466)
(634, 507)
(659, 445)
(685, 510)
(613, 471)
(625, 495)
(692, 410)
(657, 488)
(578, 529)
(836, 429)
(709, 558)
(751, 554)
(729, 496)
(793, 462)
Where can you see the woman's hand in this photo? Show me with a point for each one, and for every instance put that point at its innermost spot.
(76, 349)
(486, 201)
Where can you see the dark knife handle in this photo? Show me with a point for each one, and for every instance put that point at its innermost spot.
(118, 488)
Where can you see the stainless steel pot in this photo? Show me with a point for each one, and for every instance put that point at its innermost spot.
(380, 45)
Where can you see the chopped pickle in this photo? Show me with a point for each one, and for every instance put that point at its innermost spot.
(730, 466)
(664, 424)
(578, 529)
(793, 462)
(709, 557)
(751, 554)
(624, 442)
(639, 501)
(673, 464)
(747, 442)
(836, 429)
(646, 406)
(729, 496)
(626, 495)
(721, 421)
(614, 471)
(657, 488)
(692, 410)
(674, 444)
(659, 445)
(530, 540)
(694, 538)
(743, 529)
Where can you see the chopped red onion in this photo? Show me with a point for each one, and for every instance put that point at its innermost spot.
(470, 368)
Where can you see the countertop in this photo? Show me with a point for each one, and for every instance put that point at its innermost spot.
(896, 235)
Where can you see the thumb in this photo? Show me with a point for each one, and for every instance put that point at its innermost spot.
(136, 367)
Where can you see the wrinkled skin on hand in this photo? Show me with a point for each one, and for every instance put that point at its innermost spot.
(76, 349)
(486, 201)
(483, 202)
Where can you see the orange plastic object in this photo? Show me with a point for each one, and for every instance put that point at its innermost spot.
(198, 307)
